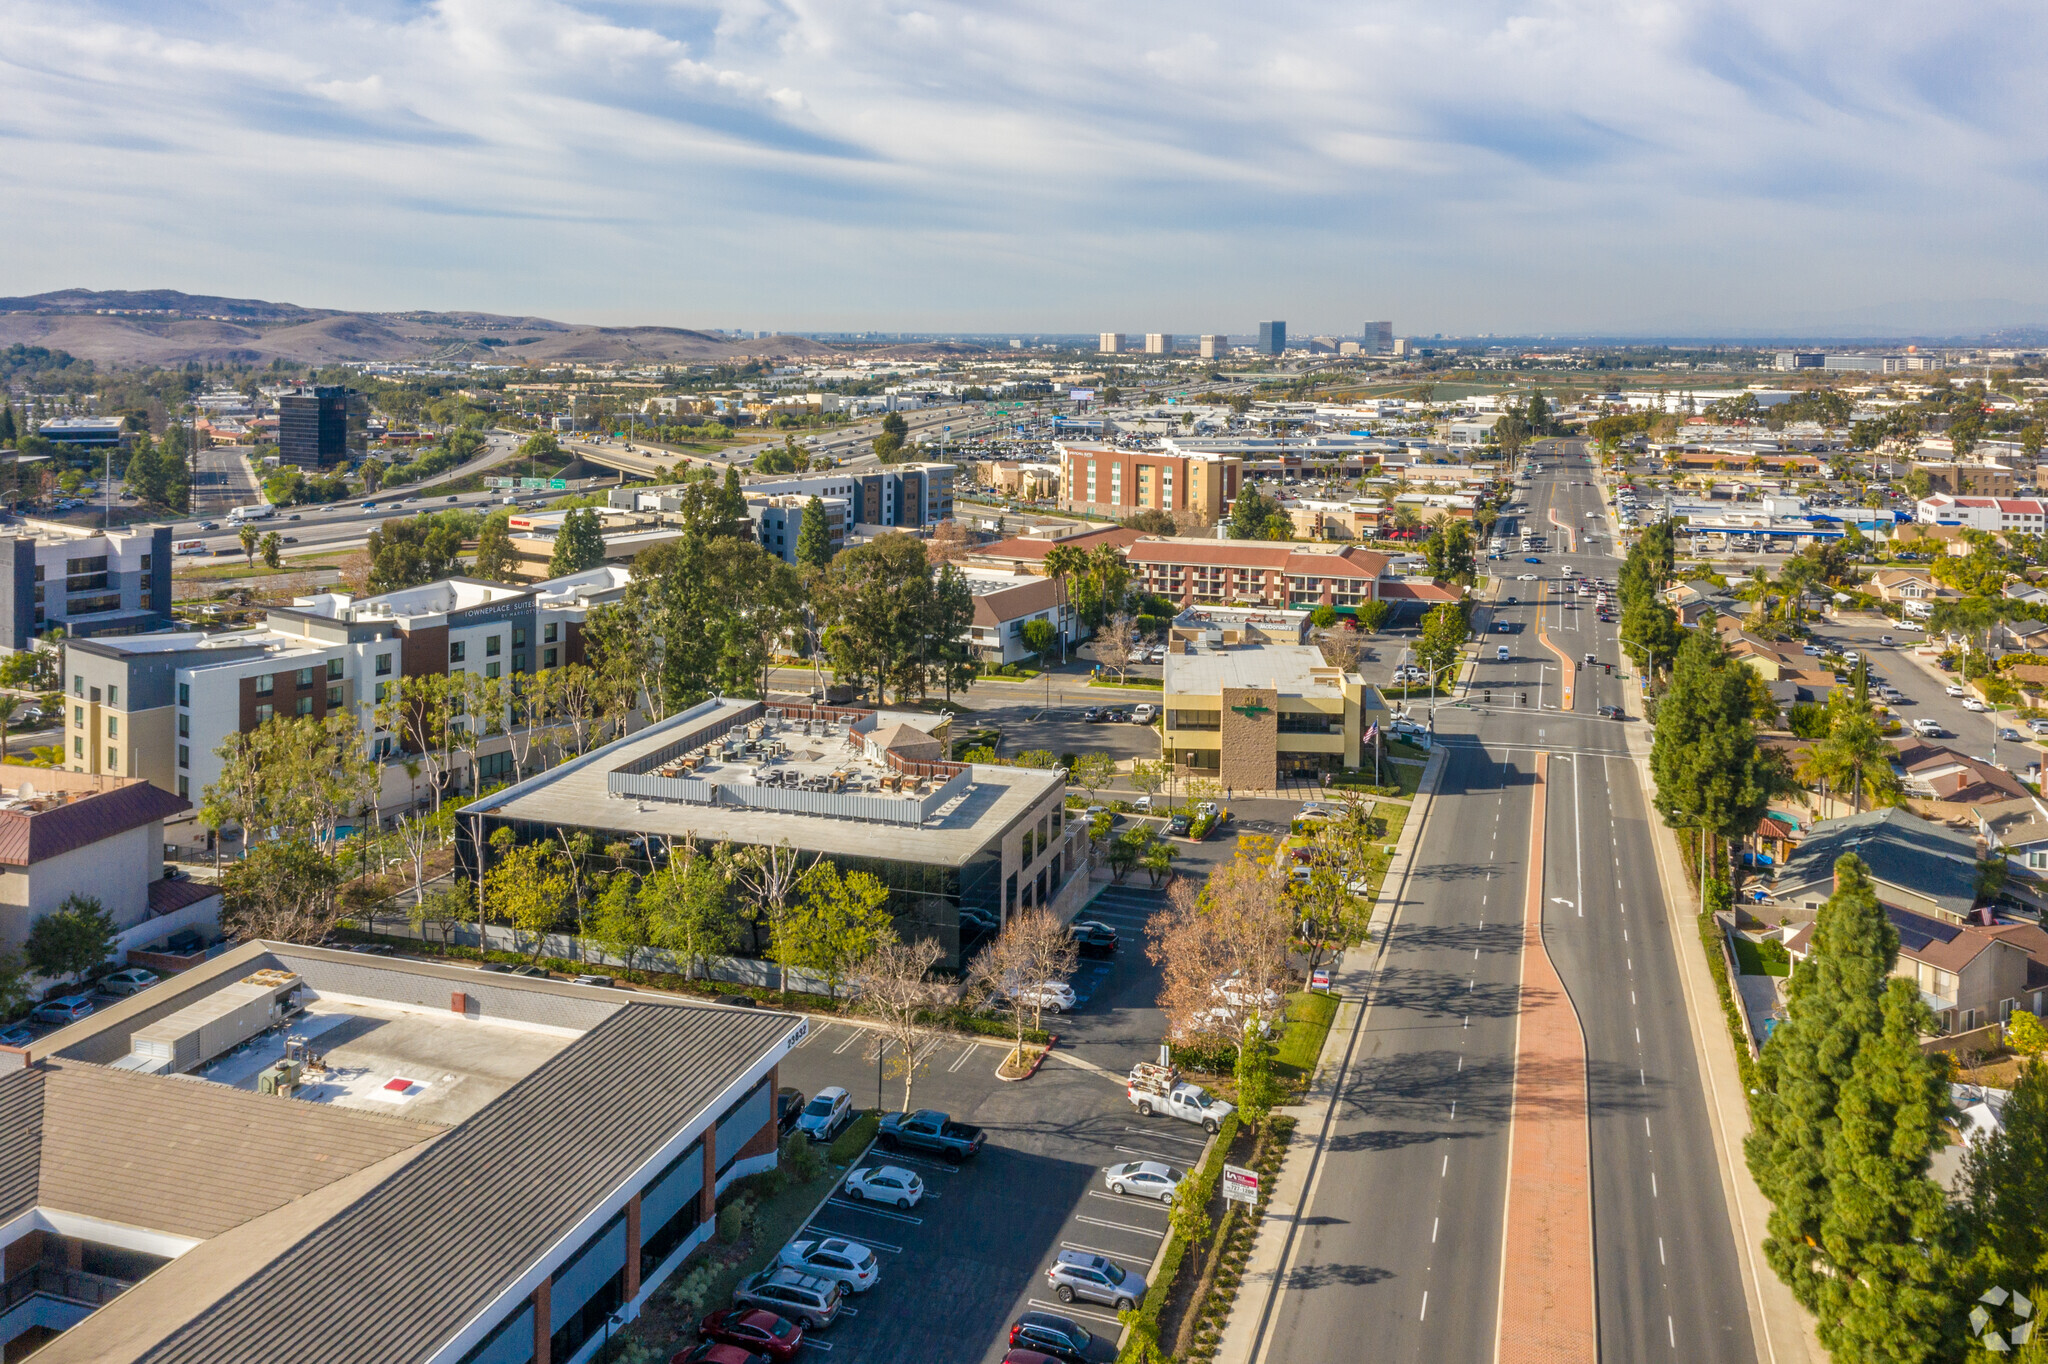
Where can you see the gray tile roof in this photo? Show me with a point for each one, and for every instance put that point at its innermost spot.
(1900, 848)
(405, 1266)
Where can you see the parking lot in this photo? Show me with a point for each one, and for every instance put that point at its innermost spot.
(965, 1262)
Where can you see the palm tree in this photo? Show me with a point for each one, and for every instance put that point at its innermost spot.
(249, 537)
(1853, 756)
(1063, 562)
(1406, 519)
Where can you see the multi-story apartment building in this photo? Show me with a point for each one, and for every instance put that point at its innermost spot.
(895, 496)
(1985, 513)
(1258, 573)
(1967, 479)
(89, 582)
(160, 706)
(1106, 481)
(779, 519)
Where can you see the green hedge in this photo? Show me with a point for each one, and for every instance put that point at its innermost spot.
(1143, 1342)
(1738, 1030)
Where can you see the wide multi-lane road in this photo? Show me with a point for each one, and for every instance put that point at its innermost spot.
(1406, 1242)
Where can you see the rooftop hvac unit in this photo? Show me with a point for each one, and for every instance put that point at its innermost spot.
(219, 1023)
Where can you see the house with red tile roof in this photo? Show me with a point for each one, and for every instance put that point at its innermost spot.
(1272, 573)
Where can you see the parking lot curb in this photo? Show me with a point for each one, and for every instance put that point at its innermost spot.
(1050, 1043)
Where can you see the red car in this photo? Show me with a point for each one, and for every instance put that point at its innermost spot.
(756, 1329)
(713, 1352)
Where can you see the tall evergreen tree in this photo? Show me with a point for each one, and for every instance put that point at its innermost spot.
(2005, 1208)
(493, 547)
(579, 544)
(1831, 1008)
(731, 506)
(1885, 1229)
(1708, 770)
(814, 536)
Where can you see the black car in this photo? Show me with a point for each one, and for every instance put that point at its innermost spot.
(1094, 938)
(789, 1106)
(1177, 827)
(1049, 1333)
(1612, 713)
(1117, 717)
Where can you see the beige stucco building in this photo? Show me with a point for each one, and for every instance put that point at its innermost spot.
(1247, 701)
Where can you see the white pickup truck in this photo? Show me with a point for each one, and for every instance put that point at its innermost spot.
(1159, 1089)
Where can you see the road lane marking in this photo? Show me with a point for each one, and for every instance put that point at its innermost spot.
(1425, 1306)
(1660, 1252)
(1434, 1223)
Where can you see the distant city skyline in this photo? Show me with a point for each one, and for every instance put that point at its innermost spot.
(1731, 168)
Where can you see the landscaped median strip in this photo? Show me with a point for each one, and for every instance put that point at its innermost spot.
(1568, 667)
(1141, 1338)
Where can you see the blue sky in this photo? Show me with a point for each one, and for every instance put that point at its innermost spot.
(1461, 166)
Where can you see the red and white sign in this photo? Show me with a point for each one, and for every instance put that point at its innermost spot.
(1319, 979)
(1240, 1185)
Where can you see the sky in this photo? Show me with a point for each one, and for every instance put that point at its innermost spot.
(1731, 167)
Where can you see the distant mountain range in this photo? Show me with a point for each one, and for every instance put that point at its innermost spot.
(121, 327)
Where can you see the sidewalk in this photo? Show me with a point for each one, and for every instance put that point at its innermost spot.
(1782, 1329)
(1352, 978)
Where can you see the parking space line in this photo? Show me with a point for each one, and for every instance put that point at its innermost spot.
(962, 1058)
(1092, 1250)
(812, 1342)
(1166, 1136)
(851, 1206)
(1148, 1155)
(809, 1232)
(924, 1052)
(853, 1035)
(891, 1157)
(1125, 1201)
(1120, 1226)
(1068, 1309)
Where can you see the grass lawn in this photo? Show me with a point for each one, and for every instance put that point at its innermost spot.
(719, 1265)
(1309, 1015)
(229, 569)
(1768, 959)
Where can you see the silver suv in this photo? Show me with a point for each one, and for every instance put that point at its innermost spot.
(805, 1299)
(1094, 1278)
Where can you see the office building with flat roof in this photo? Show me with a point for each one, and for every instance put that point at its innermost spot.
(292, 1153)
(1377, 339)
(1248, 702)
(871, 790)
(1214, 346)
(1158, 343)
(1112, 481)
(1109, 343)
(1272, 338)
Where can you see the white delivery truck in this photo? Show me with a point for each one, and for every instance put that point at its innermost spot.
(189, 547)
(261, 511)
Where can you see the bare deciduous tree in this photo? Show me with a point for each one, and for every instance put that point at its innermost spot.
(1033, 950)
(1221, 948)
(770, 873)
(893, 985)
(1114, 640)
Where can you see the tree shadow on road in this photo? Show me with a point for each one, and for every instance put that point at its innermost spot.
(1339, 1276)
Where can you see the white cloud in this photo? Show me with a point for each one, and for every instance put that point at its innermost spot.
(1473, 164)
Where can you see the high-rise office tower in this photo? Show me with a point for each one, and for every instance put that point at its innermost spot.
(321, 426)
(1272, 338)
(1158, 343)
(1214, 346)
(1111, 343)
(1378, 338)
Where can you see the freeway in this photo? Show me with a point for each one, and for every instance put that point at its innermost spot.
(849, 445)
(1404, 1241)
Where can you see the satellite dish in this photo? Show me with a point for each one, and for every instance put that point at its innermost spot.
(28, 791)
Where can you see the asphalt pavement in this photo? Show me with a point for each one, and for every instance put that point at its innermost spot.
(1410, 1197)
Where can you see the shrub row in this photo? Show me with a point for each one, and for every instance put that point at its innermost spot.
(1200, 1186)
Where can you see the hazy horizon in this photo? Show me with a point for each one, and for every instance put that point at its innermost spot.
(1723, 170)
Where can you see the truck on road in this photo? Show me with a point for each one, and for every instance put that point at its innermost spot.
(933, 1132)
(1159, 1089)
(189, 547)
(261, 511)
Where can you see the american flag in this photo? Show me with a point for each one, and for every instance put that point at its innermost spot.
(1372, 732)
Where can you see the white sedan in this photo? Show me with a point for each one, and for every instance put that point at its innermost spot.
(1525, 577)
(1145, 1179)
(1053, 996)
(885, 1184)
(842, 1261)
(1972, 703)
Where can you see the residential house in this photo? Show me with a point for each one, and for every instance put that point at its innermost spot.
(1941, 783)
(1916, 864)
(1971, 974)
(1906, 585)
(1005, 603)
